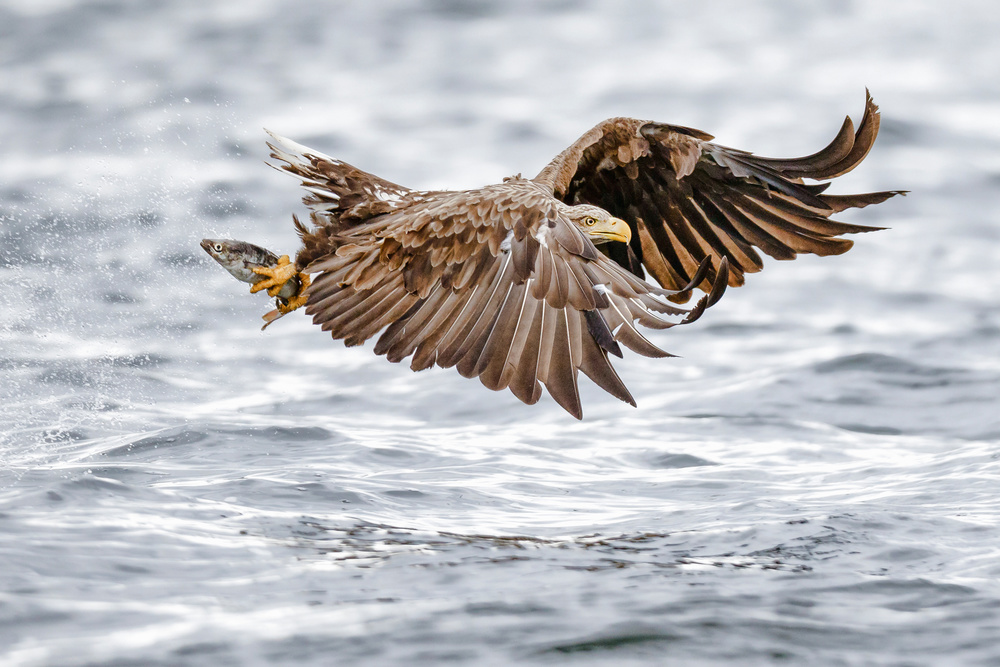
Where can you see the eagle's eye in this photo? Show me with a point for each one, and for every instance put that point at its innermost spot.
(218, 247)
(590, 221)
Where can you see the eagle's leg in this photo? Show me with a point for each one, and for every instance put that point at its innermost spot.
(299, 299)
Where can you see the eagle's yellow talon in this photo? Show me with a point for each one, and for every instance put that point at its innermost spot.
(277, 276)
(294, 303)
(299, 300)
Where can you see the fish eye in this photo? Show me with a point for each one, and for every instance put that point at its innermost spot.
(590, 221)
(218, 247)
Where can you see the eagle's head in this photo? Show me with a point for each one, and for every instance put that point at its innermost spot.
(598, 224)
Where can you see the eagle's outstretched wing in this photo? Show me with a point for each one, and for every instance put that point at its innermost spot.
(496, 282)
(687, 199)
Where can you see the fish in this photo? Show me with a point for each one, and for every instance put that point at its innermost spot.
(239, 258)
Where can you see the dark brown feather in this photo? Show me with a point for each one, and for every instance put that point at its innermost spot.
(687, 199)
(523, 382)
(560, 373)
(596, 366)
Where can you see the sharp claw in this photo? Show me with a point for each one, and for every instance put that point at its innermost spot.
(299, 299)
(293, 303)
(277, 276)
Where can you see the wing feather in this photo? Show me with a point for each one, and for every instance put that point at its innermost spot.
(389, 309)
(595, 365)
(451, 347)
(473, 346)
(493, 359)
(523, 381)
(687, 198)
(560, 376)
(466, 354)
(520, 299)
(402, 337)
(520, 344)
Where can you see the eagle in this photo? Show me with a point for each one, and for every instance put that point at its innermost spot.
(526, 282)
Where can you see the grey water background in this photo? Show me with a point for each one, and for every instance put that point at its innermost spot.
(814, 481)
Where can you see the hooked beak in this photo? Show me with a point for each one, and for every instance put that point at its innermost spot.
(614, 229)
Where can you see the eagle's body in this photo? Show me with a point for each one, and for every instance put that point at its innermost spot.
(505, 282)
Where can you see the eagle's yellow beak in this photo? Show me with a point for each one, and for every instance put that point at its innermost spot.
(612, 229)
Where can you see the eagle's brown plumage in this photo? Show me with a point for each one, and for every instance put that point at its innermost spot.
(687, 199)
(504, 282)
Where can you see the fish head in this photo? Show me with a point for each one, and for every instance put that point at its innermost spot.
(221, 250)
(239, 258)
(233, 254)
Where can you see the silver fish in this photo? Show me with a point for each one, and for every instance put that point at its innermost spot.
(240, 258)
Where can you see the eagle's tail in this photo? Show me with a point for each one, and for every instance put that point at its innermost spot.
(339, 193)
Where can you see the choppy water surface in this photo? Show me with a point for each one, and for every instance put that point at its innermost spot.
(814, 481)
